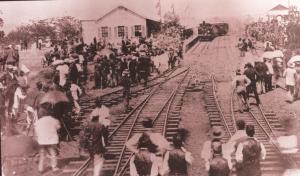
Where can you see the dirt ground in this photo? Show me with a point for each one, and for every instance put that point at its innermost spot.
(194, 117)
(220, 57)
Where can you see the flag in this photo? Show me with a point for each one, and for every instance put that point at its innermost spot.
(158, 4)
(172, 8)
(158, 7)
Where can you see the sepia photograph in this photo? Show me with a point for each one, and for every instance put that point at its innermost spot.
(150, 87)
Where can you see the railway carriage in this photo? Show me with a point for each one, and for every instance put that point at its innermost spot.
(222, 28)
(208, 31)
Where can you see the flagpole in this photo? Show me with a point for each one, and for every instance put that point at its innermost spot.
(158, 7)
(160, 18)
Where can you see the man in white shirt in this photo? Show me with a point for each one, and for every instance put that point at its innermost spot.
(240, 84)
(63, 72)
(76, 92)
(269, 76)
(102, 112)
(156, 138)
(290, 75)
(46, 131)
(31, 115)
(231, 146)
(18, 96)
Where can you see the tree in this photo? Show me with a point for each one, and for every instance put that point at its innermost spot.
(1, 22)
(2, 34)
(42, 28)
(53, 28)
(68, 27)
(20, 33)
(171, 19)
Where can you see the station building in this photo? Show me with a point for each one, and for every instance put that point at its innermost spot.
(118, 24)
(278, 12)
(282, 13)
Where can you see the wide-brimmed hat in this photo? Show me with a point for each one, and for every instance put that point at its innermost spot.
(291, 65)
(126, 71)
(74, 55)
(278, 59)
(217, 132)
(24, 69)
(147, 122)
(248, 65)
(10, 67)
(57, 62)
(1, 86)
(67, 60)
(15, 68)
(142, 53)
(238, 72)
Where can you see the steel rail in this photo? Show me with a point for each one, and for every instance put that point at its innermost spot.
(291, 160)
(80, 171)
(131, 129)
(86, 163)
(128, 116)
(165, 74)
(219, 107)
(232, 110)
(169, 103)
(270, 135)
(144, 88)
(124, 147)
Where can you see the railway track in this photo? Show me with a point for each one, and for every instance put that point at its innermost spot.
(87, 103)
(163, 104)
(116, 96)
(275, 163)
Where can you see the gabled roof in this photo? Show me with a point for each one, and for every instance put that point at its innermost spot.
(121, 7)
(279, 7)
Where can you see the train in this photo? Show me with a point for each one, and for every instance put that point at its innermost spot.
(209, 31)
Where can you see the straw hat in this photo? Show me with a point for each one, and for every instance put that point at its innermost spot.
(217, 132)
(291, 65)
(24, 69)
(1, 86)
(14, 68)
(57, 62)
(10, 67)
(74, 55)
(147, 122)
(238, 72)
(249, 65)
(126, 71)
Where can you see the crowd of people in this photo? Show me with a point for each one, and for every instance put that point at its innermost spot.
(282, 33)
(266, 73)
(241, 153)
(68, 69)
(272, 31)
(110, 61)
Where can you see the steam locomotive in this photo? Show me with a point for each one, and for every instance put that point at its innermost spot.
(207, 31)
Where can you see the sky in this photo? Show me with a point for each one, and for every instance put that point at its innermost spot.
(190, 11)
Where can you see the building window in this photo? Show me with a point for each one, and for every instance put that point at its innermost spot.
(121, 31)
(138, 30)
(104, 31)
